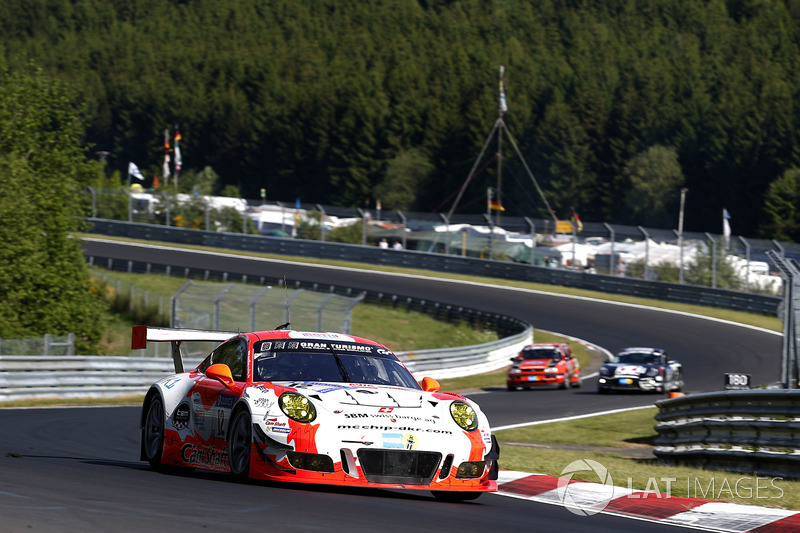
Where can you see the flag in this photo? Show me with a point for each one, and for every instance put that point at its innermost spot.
(494, 205)
(178, 158)
(726, 226)
(503, 103)
(166, 154)
(576, 221)
(134, 171)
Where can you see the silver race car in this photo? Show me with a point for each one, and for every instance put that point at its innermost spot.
(641, 369)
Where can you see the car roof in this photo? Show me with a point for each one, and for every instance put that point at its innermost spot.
(545, 345)
(635, 349)
(308, 335)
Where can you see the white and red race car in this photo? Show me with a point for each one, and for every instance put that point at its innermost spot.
(313, 407)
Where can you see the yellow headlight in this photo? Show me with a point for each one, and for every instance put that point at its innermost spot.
(464, 415)
(297, 407)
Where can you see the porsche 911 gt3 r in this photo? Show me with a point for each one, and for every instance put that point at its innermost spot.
(314, 407)
(641, 369)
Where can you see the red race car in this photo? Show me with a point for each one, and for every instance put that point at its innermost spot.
(313, 407)
(544, 364)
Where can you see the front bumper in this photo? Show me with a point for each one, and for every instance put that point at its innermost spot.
(646, 384)
(367, 465)
(534, 379)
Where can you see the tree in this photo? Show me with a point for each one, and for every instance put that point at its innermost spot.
(703, 271)
(655, 176)
(398, 190)
(44, 279)
(782, 219)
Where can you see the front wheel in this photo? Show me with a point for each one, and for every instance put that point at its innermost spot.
(153, 432)
(240, 444)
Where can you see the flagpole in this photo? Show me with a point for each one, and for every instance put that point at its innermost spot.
(178, 156)
(500, 111)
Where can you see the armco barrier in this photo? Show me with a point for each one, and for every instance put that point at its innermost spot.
(748, 431)
(30, 377)
(659, 290)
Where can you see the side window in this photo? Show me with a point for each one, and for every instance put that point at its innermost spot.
(233, 354)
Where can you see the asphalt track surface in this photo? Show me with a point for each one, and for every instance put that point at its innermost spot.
(79, 469)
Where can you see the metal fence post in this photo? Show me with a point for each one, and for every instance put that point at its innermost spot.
(403, 219)
(713, 260)
(94, 201)
(321, 222)
(217, 299)
(173, 303)
(789, 363)
(446, 233)
(253, 303)
(747, 264)
(321, 309)
(491, 235)
(679, 235)
(533, 239)
(363, 226)
(646, 252)
(612, 266)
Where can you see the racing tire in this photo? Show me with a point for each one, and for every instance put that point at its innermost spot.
(455, 497)
(153, 432)
(564, 385)
(240, 444)
(601, 390)
(512, 388)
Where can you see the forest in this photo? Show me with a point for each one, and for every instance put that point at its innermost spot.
(615, 106)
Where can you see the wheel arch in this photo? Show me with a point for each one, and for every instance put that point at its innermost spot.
(154, 391)
(240, 405)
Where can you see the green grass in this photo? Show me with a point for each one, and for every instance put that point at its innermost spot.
(617, 441)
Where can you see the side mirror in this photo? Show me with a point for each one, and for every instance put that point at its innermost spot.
(221, 372)
(430, 385)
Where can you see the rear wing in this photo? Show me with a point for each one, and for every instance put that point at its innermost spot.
(141, 334)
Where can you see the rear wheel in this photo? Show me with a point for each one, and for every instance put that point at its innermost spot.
(240, 444)
(153, 432)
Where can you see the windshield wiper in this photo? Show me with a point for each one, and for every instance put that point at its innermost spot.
(339, 363)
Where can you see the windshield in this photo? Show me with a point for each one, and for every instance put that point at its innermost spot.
(542, 353)
(637, 358)
(330, 366)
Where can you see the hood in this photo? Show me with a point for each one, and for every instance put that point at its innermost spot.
(627, 368)
(528, 363)
(364, 395)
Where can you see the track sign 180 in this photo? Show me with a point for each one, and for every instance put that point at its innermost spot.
(737, 381)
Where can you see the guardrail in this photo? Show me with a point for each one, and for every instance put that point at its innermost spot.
(35, 377)
(659, 290)
(749, 431)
